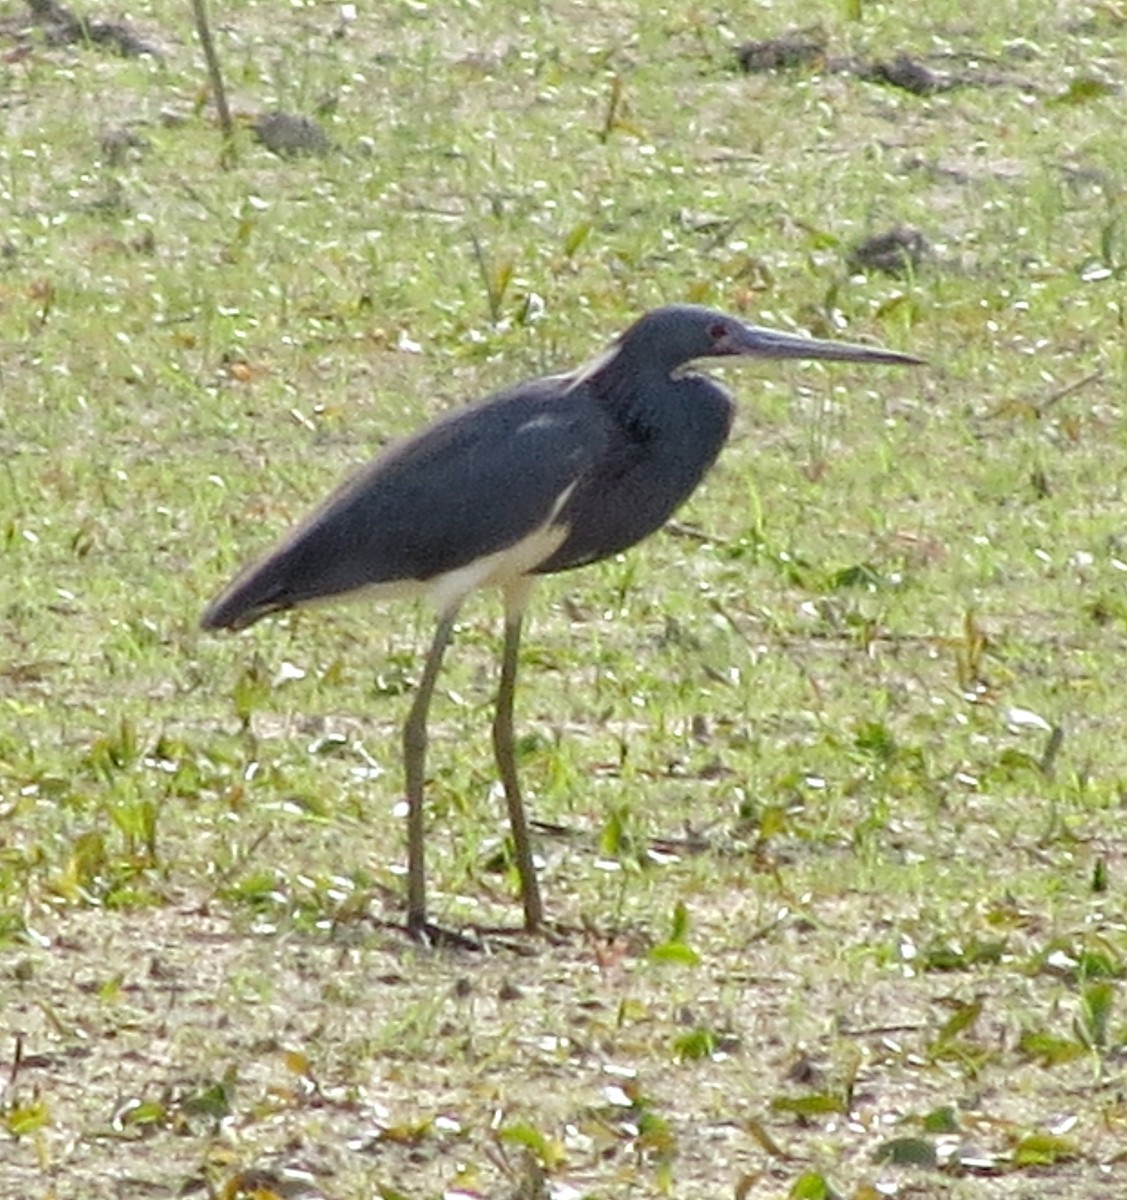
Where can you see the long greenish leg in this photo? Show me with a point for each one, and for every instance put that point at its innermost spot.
(516, 600)
(415, 765)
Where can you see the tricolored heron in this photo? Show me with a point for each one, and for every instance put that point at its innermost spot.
(542, 477)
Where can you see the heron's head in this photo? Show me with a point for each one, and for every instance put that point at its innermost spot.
(679, 333)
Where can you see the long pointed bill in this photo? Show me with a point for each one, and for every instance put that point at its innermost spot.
(753, 341)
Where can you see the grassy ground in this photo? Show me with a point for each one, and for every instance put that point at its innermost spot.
(833, 782)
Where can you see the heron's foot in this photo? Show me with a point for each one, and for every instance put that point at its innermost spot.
(485, 939)
(474, 938)
(554, 933)
(438, 937)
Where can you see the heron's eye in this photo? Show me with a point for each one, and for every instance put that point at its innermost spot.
(718, 331)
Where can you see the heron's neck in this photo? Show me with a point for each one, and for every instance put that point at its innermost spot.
(629, 383)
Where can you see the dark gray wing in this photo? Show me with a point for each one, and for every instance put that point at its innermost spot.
(467, 486)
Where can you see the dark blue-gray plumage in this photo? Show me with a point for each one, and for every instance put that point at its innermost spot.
(545, 476)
